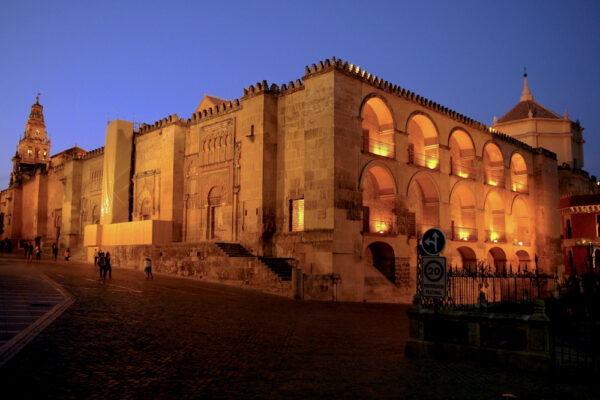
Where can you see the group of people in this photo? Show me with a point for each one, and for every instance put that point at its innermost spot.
(102, 260)
(30, 250)
(5, 246)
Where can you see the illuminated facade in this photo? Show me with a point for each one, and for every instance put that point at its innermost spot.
(340, 171)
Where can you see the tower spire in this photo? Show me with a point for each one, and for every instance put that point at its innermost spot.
(526, 95)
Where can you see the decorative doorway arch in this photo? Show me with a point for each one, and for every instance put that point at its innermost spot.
(214, 201)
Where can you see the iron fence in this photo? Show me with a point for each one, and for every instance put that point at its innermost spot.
(493, 285)
(498, 284)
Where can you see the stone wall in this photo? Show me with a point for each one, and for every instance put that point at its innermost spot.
(201, 261)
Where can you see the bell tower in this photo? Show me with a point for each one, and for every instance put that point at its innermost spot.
(33, 151)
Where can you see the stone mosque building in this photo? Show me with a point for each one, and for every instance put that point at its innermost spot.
(335, 175)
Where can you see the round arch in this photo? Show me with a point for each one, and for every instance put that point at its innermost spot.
(378, 199)
(462, 153)
(380, 166)
(380, 104)
(524, 260)
(496, 258)
(463, 213)
(518, 172)
(423, 203)
(378, 127)
(493, 163)
(383, 259)
(215, 196)
(495, 217)
(423, 140)
(521, 221)
(467, 257)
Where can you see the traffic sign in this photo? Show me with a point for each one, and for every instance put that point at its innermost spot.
(434, 277)
(433, 241)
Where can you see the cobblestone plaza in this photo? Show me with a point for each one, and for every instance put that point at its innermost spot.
(175, 338)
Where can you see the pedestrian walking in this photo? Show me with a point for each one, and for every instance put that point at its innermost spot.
(54, 251)
(38, 252)
(29, 251)
(95, 257)
(107, 267)
(101, 264)
(67, 254)
(148, 268)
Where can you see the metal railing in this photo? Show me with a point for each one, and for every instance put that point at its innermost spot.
(495, 236)
(494, 177)
(383, 227)
(461, 233)
(423, 160)
(384, 149)
(462, 168)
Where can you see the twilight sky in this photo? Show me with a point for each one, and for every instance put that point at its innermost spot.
(143, 60)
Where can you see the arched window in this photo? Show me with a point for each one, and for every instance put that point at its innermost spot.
(423, 142)
(378, 128)
(493, 163)
(518, 173)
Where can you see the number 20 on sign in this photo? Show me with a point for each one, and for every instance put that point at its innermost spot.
(434, 277)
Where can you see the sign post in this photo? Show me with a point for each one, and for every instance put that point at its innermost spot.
(432, 278)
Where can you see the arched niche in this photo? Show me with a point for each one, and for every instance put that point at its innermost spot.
(378, 194)
(377, 128)
(423, 204)
(463, 214)
(462, 154)
(521, 222)
(495, 219)
(493, 163)
(423, 142)
(518, 173)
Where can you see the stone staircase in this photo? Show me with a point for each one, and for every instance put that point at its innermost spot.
(234, 249)
(278, 265)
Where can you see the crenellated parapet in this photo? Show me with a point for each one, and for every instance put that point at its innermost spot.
(356, 72)
(163, 123)
(211, 112)
(94, 153)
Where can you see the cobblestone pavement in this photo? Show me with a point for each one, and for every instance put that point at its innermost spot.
(175, 338)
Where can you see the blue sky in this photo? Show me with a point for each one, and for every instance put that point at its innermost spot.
(94, 61)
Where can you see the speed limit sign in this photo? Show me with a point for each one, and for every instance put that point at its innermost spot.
(434, 276)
